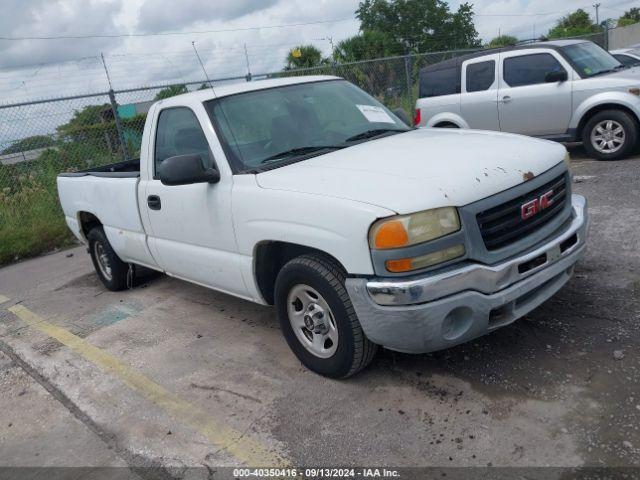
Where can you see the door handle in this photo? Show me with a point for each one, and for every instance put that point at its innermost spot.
(506, 99)
(153, 201)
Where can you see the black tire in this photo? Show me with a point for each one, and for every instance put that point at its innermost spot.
(119, 269)
(628, 124)
(354, 350)
(446, 125)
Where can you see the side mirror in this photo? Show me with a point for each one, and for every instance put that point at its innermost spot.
(186, 170)
(402, 114)
(557, 76)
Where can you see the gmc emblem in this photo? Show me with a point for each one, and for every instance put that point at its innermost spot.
(536, 205)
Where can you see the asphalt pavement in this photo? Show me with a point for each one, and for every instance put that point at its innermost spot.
(170, 374)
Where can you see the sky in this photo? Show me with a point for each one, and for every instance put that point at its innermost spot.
(29, 67)
(33, 69)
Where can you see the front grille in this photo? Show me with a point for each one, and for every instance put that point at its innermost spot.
(503, 224)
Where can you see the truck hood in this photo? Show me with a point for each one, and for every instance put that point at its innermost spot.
(630, 74)
(420, 169)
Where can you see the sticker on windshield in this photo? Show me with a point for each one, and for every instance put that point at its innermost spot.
(375, 114)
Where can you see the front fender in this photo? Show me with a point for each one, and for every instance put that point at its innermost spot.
(623, 99)
(335, 226)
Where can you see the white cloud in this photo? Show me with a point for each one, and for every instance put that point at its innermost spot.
(149, 60)
(527, 19)
(161, 15)
(20, 18)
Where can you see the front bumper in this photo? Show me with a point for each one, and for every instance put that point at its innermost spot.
(445, 309)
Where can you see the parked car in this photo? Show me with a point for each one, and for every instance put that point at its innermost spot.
(568, 90)
(629, 57)
(308, 194)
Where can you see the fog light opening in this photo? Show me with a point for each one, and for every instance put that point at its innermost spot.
(457, 323)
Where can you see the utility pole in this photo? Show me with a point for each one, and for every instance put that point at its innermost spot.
(333, 48)
(597, 7)
(246, 57)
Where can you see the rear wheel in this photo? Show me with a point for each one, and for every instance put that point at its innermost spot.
(610, 135)
(318, 319)
(110, 269)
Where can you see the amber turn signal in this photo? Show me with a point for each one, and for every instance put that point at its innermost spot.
(399, 266)
(391, 235)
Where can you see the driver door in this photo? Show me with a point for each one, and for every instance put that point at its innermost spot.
(190, 229)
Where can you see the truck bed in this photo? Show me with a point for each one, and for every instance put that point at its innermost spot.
(112, 197)
(127, 169)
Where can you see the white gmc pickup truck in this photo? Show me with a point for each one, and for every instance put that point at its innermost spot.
(309, 194)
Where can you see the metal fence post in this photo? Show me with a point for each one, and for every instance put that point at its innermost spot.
(246, 56)
(114, 108)
(407, 71)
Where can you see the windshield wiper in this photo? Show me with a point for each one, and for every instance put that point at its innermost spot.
(301, 151)
(373, 133)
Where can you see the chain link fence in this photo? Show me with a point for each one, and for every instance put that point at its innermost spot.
(40, 139)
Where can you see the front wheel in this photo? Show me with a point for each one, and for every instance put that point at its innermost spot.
(610, 135)
(318, 319)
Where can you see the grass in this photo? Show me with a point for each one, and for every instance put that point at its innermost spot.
(31, 221)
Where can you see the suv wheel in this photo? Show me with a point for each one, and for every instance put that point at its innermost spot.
(318, 319)
(610, 135)
(111, 271)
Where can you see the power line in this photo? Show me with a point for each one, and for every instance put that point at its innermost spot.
(538, 14)
(125, 35)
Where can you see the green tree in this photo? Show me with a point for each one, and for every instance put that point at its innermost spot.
(29, 143)
(91, 132)
(420, 25)
(304, 56)
(574, 25)
(502, 41)
(171, 91)
(84, 120)
(204, 86)
(630, 17)
(367, 45)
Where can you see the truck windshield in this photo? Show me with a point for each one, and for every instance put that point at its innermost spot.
(273, 127)
(591, 59)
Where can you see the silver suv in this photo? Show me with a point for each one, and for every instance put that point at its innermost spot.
(569, 91)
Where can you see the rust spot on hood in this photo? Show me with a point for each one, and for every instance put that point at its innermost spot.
(527, 176)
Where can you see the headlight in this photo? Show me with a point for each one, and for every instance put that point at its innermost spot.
(406, 230)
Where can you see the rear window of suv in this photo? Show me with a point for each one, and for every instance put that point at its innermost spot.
(435, 83)
(480, 76)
